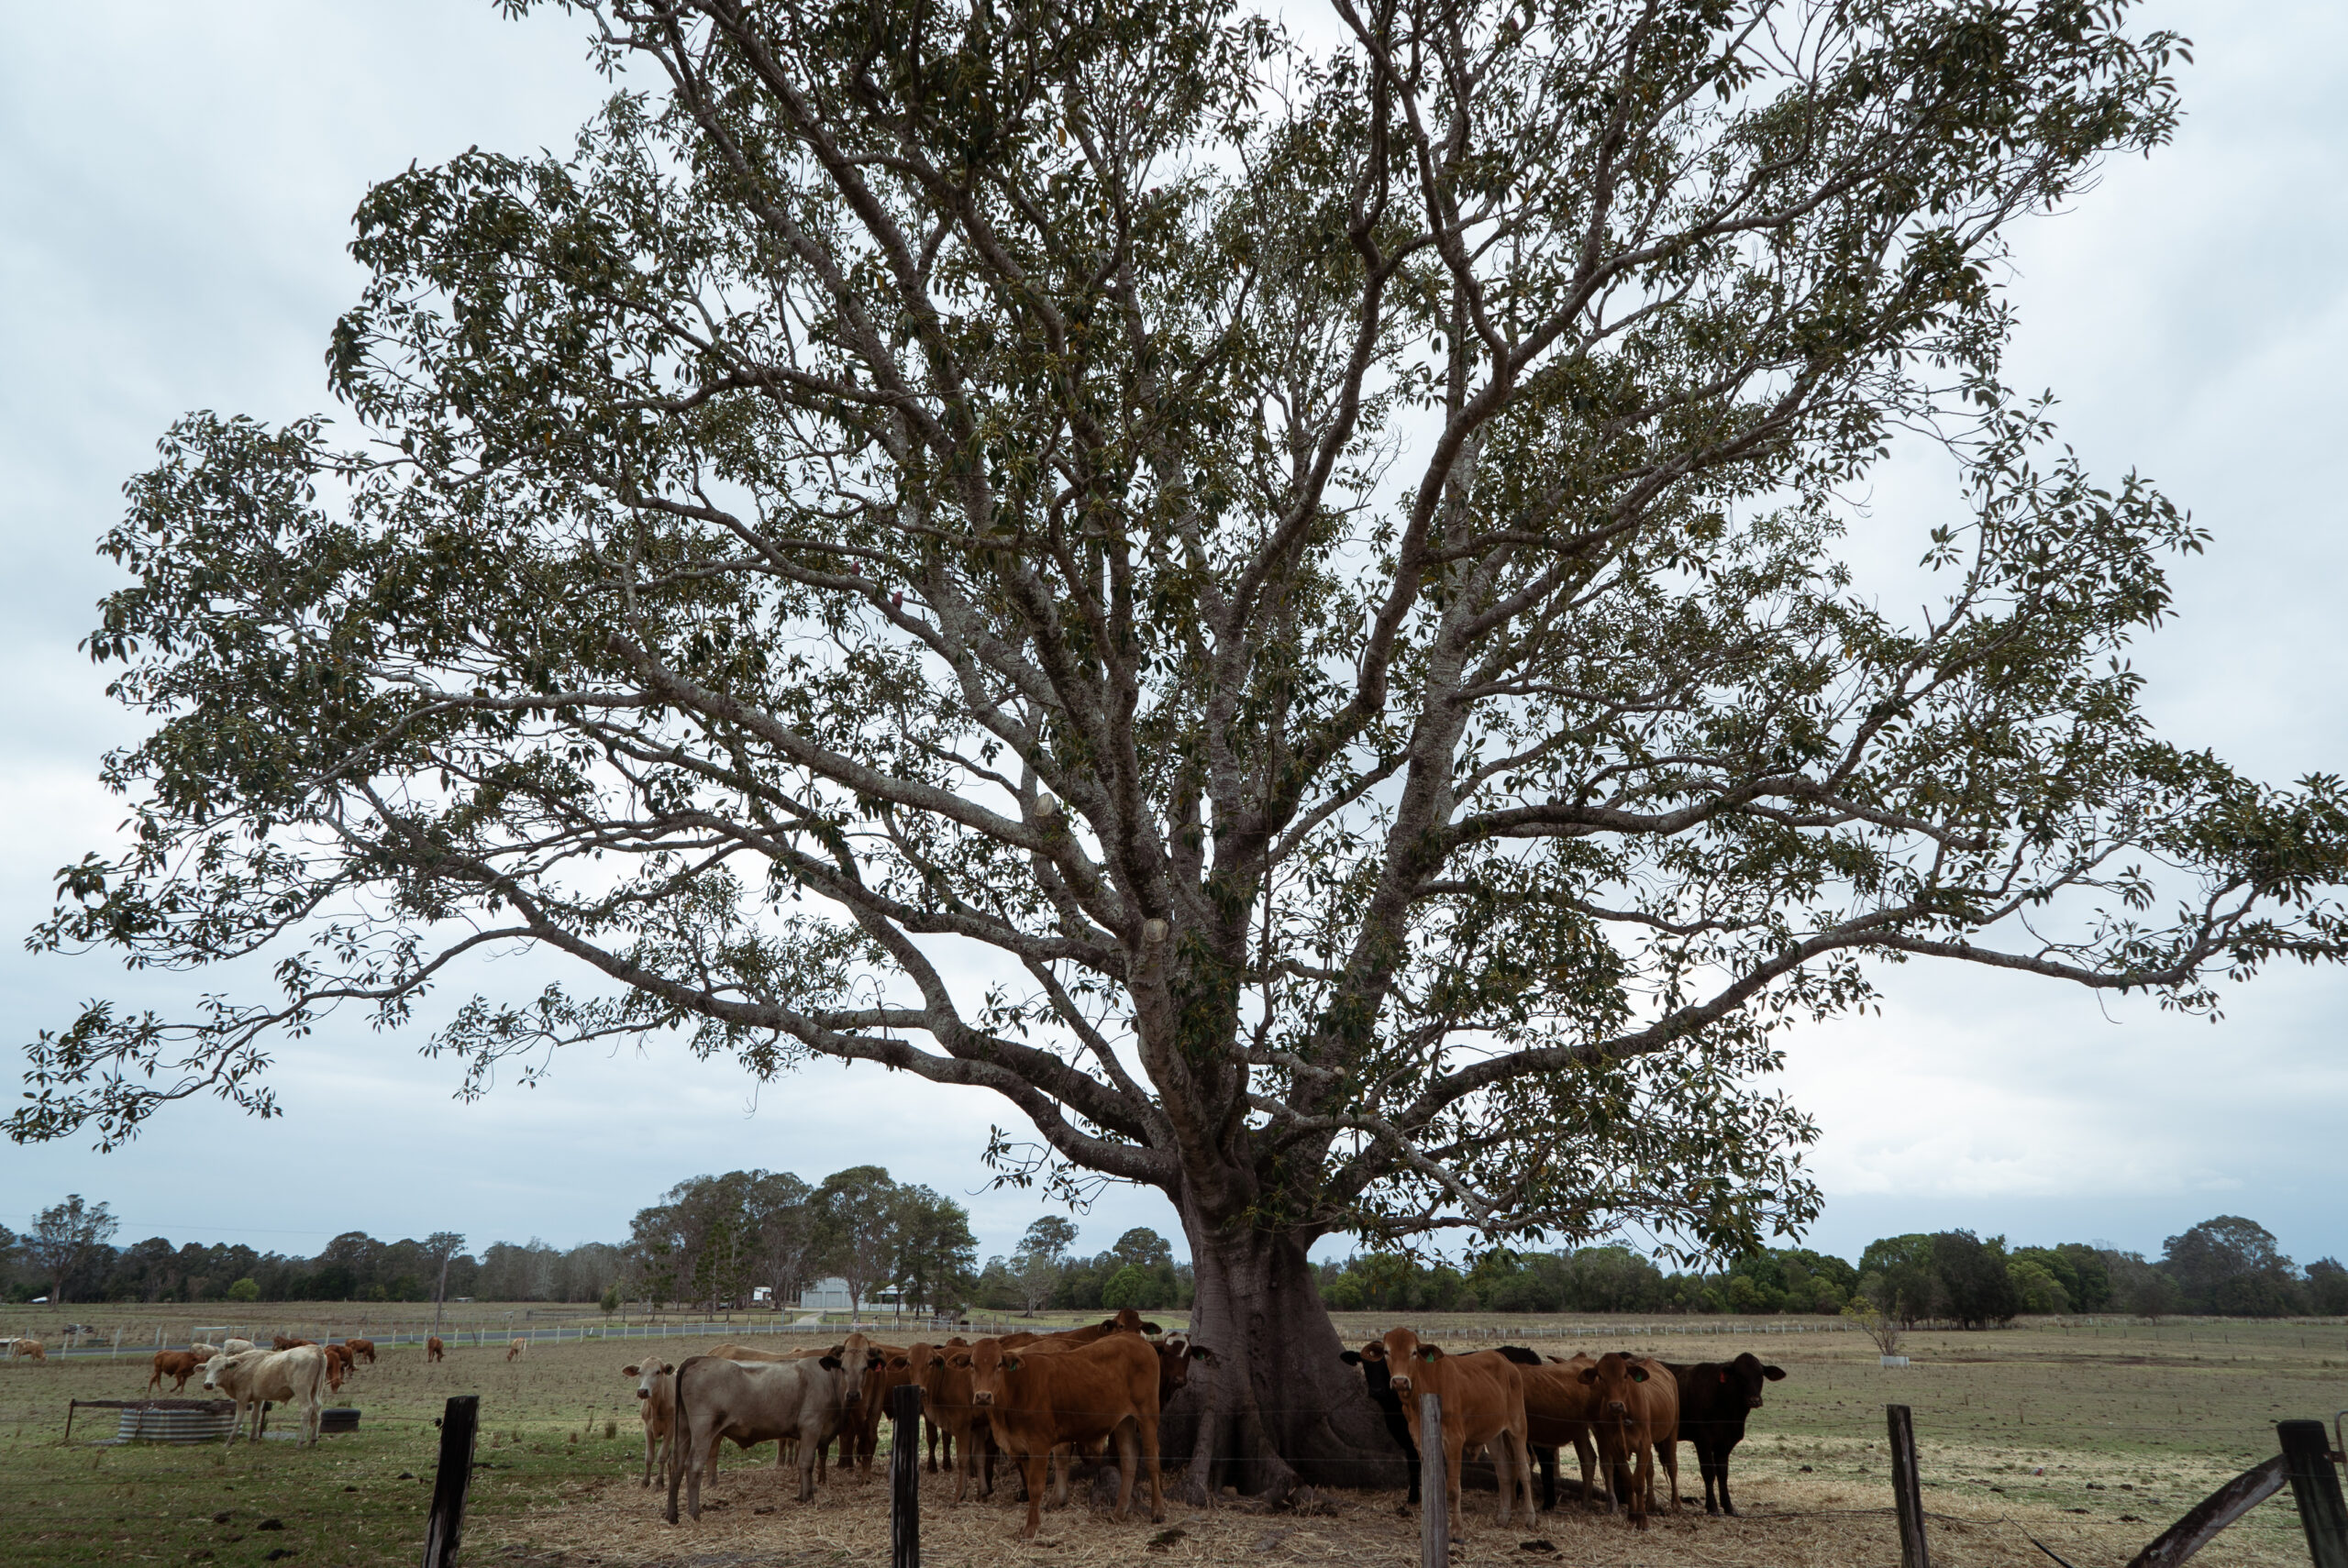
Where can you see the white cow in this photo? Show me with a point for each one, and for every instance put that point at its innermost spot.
(234, 1347)
(200, 1349)
(288, 1376)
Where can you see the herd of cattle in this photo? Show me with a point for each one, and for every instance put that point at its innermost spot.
(1045, 1401)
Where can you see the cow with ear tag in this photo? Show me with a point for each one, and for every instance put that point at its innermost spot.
(1635, 1411)
(1715, 1396)
(1481, 1397)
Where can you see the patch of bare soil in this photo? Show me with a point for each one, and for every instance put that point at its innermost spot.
(753, 1518)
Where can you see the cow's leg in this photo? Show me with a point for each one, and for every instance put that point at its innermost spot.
(1586, 1452)
(1669, 1454)
(1546, 1456)
(808, 1451)
(1031, 1472)
(1721, 1463)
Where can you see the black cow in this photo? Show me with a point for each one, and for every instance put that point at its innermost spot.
(1714, 1398)
(1378, 1376)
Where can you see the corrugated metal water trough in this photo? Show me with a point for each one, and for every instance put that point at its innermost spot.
(160, 1420)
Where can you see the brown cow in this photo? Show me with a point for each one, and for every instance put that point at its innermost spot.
(1637, 1421)
(433, 1348)
(1483, 1400)
(177, 1364)
(337, 1366)
(947, 1405)
(1559, 1409)
(656, 1406)
(359, 1349)
(514, 1347)
(283, 1342)
(1034, 1403)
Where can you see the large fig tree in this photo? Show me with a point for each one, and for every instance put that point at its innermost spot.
(1266, 591)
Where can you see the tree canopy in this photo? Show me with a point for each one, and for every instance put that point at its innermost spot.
(1323, 560)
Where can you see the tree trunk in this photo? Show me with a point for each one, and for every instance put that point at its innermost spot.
(1276, 1408)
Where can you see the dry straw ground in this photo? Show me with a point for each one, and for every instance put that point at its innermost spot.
(2092, 1439)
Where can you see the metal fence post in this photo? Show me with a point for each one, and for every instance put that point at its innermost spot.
(904, 1476)
(459, 1424)
(1434, 1487)
(2315, 1485)
(1906, 1491)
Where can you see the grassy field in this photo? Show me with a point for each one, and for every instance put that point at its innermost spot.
(2092, 1439)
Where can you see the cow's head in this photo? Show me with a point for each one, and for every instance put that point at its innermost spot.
(1742, 1380)
(1128, 1321)
(1175, 1354)
(212, 1371)
(991, 1370)
(1612, 1375)
(1405, 1358)
(648, 1376)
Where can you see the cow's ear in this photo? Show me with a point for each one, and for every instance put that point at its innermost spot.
(1351, 1357)
(1151, 1328)
(1774, 1374)
(1589, 1375)
(1723, 1375)
(899, 1361)
(631, 1372)
(829, 1364)
(839, 1350)
(1430, 1354)
(1373, 1351)
(959, 1361)
(1011, 1364)
(1638, 1374)
(1200, 1353)
(938, 1361)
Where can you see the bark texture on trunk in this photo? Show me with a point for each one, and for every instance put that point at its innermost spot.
(1276, 1408)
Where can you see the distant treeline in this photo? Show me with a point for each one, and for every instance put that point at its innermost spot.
(71, 1258)
(2228, 1266)
(713, 1241)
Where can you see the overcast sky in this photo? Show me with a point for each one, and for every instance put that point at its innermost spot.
(175, 187)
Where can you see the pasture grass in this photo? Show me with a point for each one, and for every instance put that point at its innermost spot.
(2130, 1425)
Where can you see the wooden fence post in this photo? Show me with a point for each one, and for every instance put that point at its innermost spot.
(1434, 1487)
(459, 1423)
(2315, 1485)
(904, 1476)
(1907, 1490)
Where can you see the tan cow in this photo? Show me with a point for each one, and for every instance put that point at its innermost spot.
(28, 1350)
(1483, 1400)
(289, 1377)
(753, 1402)
(656, 1406)
(1637, 1421)
(516, 1347)
(1037, 1402)
(177, 1364)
